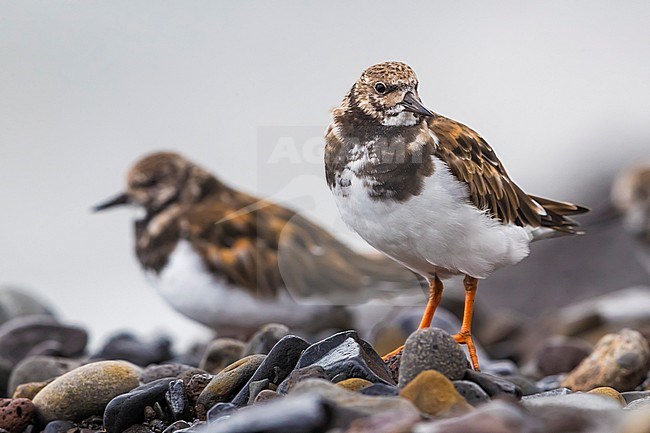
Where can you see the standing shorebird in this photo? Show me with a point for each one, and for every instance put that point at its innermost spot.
(428, 191)
(234, 262)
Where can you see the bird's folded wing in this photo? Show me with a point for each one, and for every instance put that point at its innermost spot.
(271, 248)
(472, 160)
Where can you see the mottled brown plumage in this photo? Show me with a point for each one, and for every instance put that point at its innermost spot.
(257, 246)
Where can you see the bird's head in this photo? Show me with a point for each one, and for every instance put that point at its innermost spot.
(388, 93)
(160, 179)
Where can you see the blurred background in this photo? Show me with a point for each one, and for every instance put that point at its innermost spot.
(560, 89)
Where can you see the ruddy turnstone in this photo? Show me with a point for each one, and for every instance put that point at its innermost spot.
(428, 191)
(233, 261)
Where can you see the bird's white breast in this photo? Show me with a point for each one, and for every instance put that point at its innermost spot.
(437, 231)
(188, 287)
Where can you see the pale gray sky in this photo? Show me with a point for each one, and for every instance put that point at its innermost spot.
(560, 89)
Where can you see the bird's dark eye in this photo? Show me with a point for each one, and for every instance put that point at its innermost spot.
(152, 181)
(380, 88)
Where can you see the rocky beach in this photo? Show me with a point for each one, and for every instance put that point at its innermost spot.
(583, 368)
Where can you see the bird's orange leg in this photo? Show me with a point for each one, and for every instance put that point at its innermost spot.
(435, 294)
(465, 334)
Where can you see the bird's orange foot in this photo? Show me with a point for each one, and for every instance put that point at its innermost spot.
(466, 338)
(389, 355)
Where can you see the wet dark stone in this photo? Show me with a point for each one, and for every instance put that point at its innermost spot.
(177, 425)
(158, 371)
(130, 348)
(380, 389)
(276, 367)
(136, 428)
(177, 400)
(308, 414)
(20, 335)
(550, 393)
(345, 355)
(630, 396)
(128, 409)
(493, 385)
(431, 349)
(300, 374)
(220, 410)
(255, 388)
(638, 404)
(58, 426)
(474, 394)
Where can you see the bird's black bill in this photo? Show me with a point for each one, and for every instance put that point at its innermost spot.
(119, 200)
(414, 105)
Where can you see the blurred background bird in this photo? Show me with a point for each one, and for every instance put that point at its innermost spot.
(234, 262)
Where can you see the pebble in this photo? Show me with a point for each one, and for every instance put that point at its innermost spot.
(128, 347)
(158, 371)
(128, 408)
(434, 394)
(276, 367)
(177, 399)
(493, 385)
(354, 384)
(39, 369)
(494, 417)
(288, 415)
(177, 425)
(20, 335)
(630, 396)
(16, 414)
(380, 389)
(220, 410)
(620, 361)
(195, 386)
(638, 404)
(220, 353)
(551, 393)
(225, 385)
(345, 355)
(431, 349)
(136, 428)
(559, 354)
(86, 390)
(58, 426)
(609, 393)
(17, 302)
(576, 401)
(266, 395)
(471, 392)
(263, 340)
(300, 374)
(385, 422)
(350, 405)
(29, 390)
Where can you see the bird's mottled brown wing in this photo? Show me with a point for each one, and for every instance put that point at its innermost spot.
(472, 160)
(264, 248)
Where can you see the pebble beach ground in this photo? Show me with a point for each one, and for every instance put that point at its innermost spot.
(583, 368)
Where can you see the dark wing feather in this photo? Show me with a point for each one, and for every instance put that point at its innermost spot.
(472, 160)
